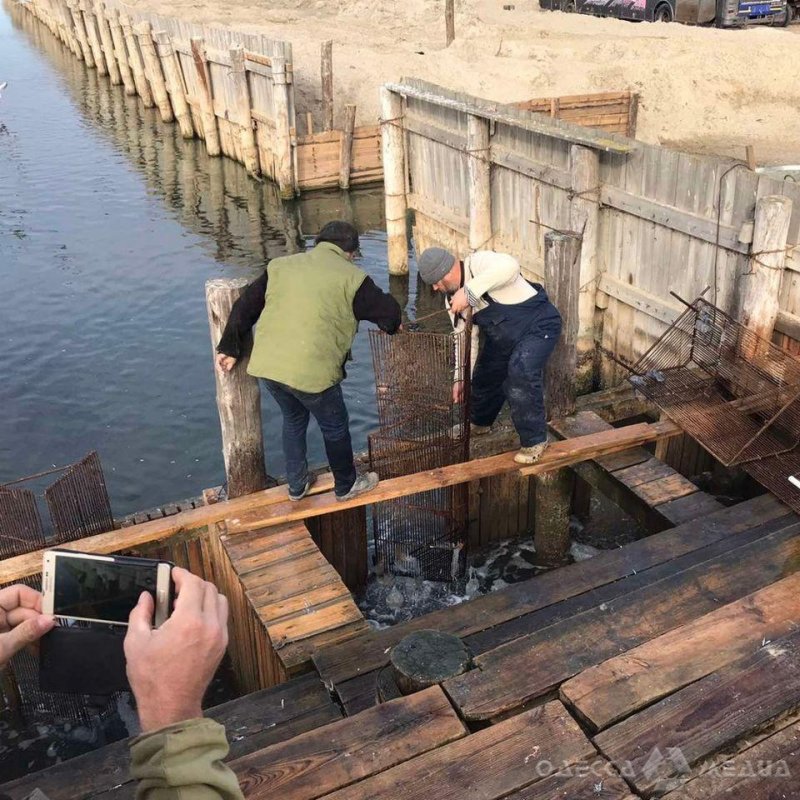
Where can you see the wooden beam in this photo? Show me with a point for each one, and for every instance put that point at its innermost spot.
(205, 95)
(273, 507)
(346, 152)
(479, 184)
(326, 75)
(155, 74)
(173, 76)
(241, 88)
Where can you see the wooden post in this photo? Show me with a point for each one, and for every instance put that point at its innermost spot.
(238, 399)
(427, 657)
(554, 489)
(480, 190)
(93, 39)
(69, 30)
(584, 215)
(205, 97)
(108, 44)
(449, 22)
(285, 175)
(152, 68)
(326, 70)
(118, 38)
(243, 110)
(80, 33)
(758, 290)
(173, 77)
(137, 65)
(394, 181)
(309, 123)
(346, 153)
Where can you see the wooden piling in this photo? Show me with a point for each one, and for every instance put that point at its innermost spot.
(394, 182)
(121, 52)
(243, 104)
(136, 62)
(480, 189)
(554, 489)
(93, 38)
(205, 97)
(69, 30)
(326, 72)
(238, 399)
(758, 290)
(346, 153)
(285, 175)
(152, 68)
(173, 77)
(80, 33)
(584, 215)
(449, 22)
(108, 44)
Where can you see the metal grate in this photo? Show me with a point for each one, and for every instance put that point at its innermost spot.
(20, 524)
(421, 428)
(734, 392)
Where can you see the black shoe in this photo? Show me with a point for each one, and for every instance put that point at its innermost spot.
(310, 481)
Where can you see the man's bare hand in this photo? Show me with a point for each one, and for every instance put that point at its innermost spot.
(225, 363)
(21, 620)
(458, 392)
(170, 667)
(459, 301)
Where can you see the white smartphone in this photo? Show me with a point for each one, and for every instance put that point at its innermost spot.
(84, 586)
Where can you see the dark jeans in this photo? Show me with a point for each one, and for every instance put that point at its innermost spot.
(518, 377)
(330, 412)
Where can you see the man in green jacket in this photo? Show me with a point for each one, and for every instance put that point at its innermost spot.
(306, 309)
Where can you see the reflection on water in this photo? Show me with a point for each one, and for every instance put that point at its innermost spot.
(110, 224)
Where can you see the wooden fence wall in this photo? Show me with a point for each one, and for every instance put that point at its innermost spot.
(615, 112)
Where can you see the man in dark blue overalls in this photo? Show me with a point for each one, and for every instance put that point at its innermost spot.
(520, 328)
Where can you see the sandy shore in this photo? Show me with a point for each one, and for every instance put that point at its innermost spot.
(701, 89)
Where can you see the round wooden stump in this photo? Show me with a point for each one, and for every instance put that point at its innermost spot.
(427, 657)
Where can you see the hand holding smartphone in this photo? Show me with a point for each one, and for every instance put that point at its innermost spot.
(105, 589)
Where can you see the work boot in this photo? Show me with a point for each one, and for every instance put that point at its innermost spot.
(530, 455)
(310, 481)
(364, 483)
(479, 430)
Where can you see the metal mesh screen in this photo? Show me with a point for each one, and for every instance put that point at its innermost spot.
(734, 392)
(20, 524)
(422, 426)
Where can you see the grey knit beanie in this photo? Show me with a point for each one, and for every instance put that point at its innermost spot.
(434, 264)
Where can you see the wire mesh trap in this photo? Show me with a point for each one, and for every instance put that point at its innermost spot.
(422, 426)
(734, 392)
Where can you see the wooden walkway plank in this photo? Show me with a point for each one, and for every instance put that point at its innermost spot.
(689, 507)
(369, 652)
(707, 718)
(488, 764)
(251, 722)
(527, 668)
(596, 780)
(322, 761)
(611, 691)
(767, 771)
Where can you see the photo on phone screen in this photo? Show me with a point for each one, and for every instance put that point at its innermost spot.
(102, 588)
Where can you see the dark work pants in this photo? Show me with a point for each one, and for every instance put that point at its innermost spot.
(518, 377)
(330, 412)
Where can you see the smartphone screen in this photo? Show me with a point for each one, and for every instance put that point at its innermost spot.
(100, 590)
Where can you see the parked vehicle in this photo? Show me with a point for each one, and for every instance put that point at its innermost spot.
(722, 13)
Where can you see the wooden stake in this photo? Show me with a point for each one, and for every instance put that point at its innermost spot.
(118, 38)
(93, 38)
(80, 33)
(394, 182)
(238, 399)
(758, 290)
(136, 62)
(205, 97)
(243, 105)
(584, 215)
(480, 190)
(554, 489)
(326, 69)
(750, 153)
(152, 67)
(70, 29)
(108, 44)
(173, 77)
(449, 22)
(285, 175)
(346, 152)
(309, 123)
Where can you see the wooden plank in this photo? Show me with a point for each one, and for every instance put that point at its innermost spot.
(596, 780)
(315, 620)
(689, 507)
(608, 692)
(281, 609)
(294, 584)
(358, 694)
(650, 470)
(488, 764)
(368, 652)
(665, 489)
(707, 717)
(273, 556)
(319, 762)
(767, 771)
(532, 666)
